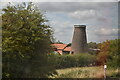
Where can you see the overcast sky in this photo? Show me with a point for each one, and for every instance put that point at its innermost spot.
(100, 18)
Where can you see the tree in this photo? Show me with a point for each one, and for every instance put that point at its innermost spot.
(109, 53)
(92, 45)
(26, 42)
(59, 42)
(103, 54)
(69, 44)
(114, 54)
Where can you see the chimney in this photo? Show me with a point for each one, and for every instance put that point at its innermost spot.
(79, 41)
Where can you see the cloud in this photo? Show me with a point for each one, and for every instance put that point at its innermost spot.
(99, 17)
(73, 6)
(15, 0)
(63, 30)
(60, 0)
(107, 32)
(74, 0)
(94, 18)
(83, 15)
(96, 12)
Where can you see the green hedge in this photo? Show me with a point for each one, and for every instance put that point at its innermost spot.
(76, 60)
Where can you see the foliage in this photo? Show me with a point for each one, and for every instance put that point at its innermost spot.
(103, 54)
(109, 54)
(69, 44)
(26, 41)
(114, 54)
(93, 45)
(58, 42)
(85, 59)
(78, 60)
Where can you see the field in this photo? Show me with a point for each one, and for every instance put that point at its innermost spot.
(84, 72)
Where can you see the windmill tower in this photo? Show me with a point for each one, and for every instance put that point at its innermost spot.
(79, 41)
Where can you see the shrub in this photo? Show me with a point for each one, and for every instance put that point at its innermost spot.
(77, 60)
(85, 59)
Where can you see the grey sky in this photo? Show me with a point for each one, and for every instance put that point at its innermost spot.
(101, 19)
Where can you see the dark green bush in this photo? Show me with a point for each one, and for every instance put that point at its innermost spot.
(85, 59)
(76, 60)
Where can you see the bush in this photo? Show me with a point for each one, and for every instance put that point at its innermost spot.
(77, 60)
(85, 59)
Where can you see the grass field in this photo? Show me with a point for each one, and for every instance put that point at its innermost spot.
(84, 72)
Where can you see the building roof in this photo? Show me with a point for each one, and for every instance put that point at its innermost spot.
(60, 52)
(67, 49)
(59, 46)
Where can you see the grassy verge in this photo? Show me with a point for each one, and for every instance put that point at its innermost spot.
(84, 72)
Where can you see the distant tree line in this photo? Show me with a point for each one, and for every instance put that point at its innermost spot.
(109, 54)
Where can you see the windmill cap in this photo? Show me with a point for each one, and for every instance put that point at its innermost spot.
(80, 26)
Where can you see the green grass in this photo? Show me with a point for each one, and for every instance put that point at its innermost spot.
(84, 72)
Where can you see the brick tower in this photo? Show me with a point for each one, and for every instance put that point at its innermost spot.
(79, 41)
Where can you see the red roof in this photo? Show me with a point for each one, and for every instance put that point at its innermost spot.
(59, 46)
(67, 49)
(60, 52)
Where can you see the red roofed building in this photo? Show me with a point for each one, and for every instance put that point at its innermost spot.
(61, 49)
